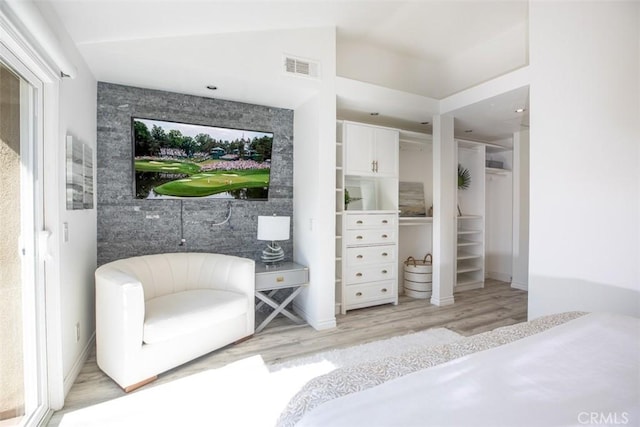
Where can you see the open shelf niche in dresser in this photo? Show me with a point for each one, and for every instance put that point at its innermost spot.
(366, 215)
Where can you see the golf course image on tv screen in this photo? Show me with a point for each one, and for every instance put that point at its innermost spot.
(177, 160)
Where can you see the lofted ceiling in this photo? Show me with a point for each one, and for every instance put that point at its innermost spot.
(430, 49)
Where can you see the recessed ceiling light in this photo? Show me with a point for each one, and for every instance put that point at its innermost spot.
(375, 114)
(424, 123)
(520, 110)
(212, 87)
(468, 130)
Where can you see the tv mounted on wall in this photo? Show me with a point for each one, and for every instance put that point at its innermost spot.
(180, 160)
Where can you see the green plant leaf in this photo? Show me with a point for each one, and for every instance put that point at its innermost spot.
(464, 178)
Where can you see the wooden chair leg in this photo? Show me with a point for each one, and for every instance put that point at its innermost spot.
(140, 384)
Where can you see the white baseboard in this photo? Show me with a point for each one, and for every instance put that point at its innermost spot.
(317, 324)
(521, 286)
(498, 275)
(468, 287)
(442, 301)
(77, 366)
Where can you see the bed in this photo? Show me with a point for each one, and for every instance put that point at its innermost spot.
(565, 369)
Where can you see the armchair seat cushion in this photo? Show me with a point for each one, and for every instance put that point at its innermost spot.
(182, 313)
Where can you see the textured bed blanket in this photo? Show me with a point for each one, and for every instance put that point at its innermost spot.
(345, 381)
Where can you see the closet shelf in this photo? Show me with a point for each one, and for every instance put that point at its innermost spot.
(468, 256)
(468, 270)
(464, 243)
(497, 171)
(415, 220)
(463, 232)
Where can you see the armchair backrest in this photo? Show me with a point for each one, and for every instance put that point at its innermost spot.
(163, 274)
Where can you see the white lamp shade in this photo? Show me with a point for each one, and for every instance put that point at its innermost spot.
(273, 228)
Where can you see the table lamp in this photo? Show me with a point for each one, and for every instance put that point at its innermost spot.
(273, 229)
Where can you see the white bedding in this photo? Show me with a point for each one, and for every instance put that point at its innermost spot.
(584, 372)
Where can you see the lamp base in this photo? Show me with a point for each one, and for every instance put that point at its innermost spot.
(273, 254)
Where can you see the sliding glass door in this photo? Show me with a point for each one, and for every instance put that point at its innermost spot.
(22, 332)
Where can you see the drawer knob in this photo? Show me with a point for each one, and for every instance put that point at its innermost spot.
(359, 221)
(359, 237)
(358, 274)
(384, 236)
(384, 272)
(359, 256)
(384, 289)
(280, 279)
(384, 221)
(358, 294)
(385, 254)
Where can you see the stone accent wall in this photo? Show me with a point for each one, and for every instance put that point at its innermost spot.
(129, 227)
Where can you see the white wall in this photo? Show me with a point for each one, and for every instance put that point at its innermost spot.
(363, 62)
(72, 300)
(314, 202)
(520, 267)
(444, 207)
(470, 67)
(436, 78)
(585, 160)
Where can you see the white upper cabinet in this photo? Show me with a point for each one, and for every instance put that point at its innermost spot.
(370, 150)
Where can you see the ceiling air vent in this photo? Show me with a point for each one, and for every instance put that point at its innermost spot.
(301, 67)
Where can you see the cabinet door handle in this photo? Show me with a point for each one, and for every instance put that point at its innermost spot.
(384, 289)
(359, 237)
(359, 222)
(358, 294)
(385, 254)
(384, 271)
(384, 236)
(376, 162)
(373, 166)
(358, 274)
(359, 256)
(384, 221)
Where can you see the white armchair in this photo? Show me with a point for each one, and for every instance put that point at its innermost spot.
(156, 312)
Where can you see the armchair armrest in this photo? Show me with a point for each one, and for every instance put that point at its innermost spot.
(119, 317)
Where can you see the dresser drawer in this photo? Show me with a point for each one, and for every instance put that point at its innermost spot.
(364, 221)
(370, 237)
(370, 255)
(360, 294)
(281, 279)
(370, 273)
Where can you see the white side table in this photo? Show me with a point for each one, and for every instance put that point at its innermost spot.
(269, 280)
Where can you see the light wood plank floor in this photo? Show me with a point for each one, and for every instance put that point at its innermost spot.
(474, 311)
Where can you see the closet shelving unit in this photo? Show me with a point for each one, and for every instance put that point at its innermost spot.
(470, 244)
(339, 212)
(470, 252)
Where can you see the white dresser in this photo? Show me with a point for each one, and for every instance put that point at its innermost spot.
(367, 216)
(371, 246)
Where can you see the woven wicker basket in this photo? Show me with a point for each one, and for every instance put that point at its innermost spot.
(418, 277)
